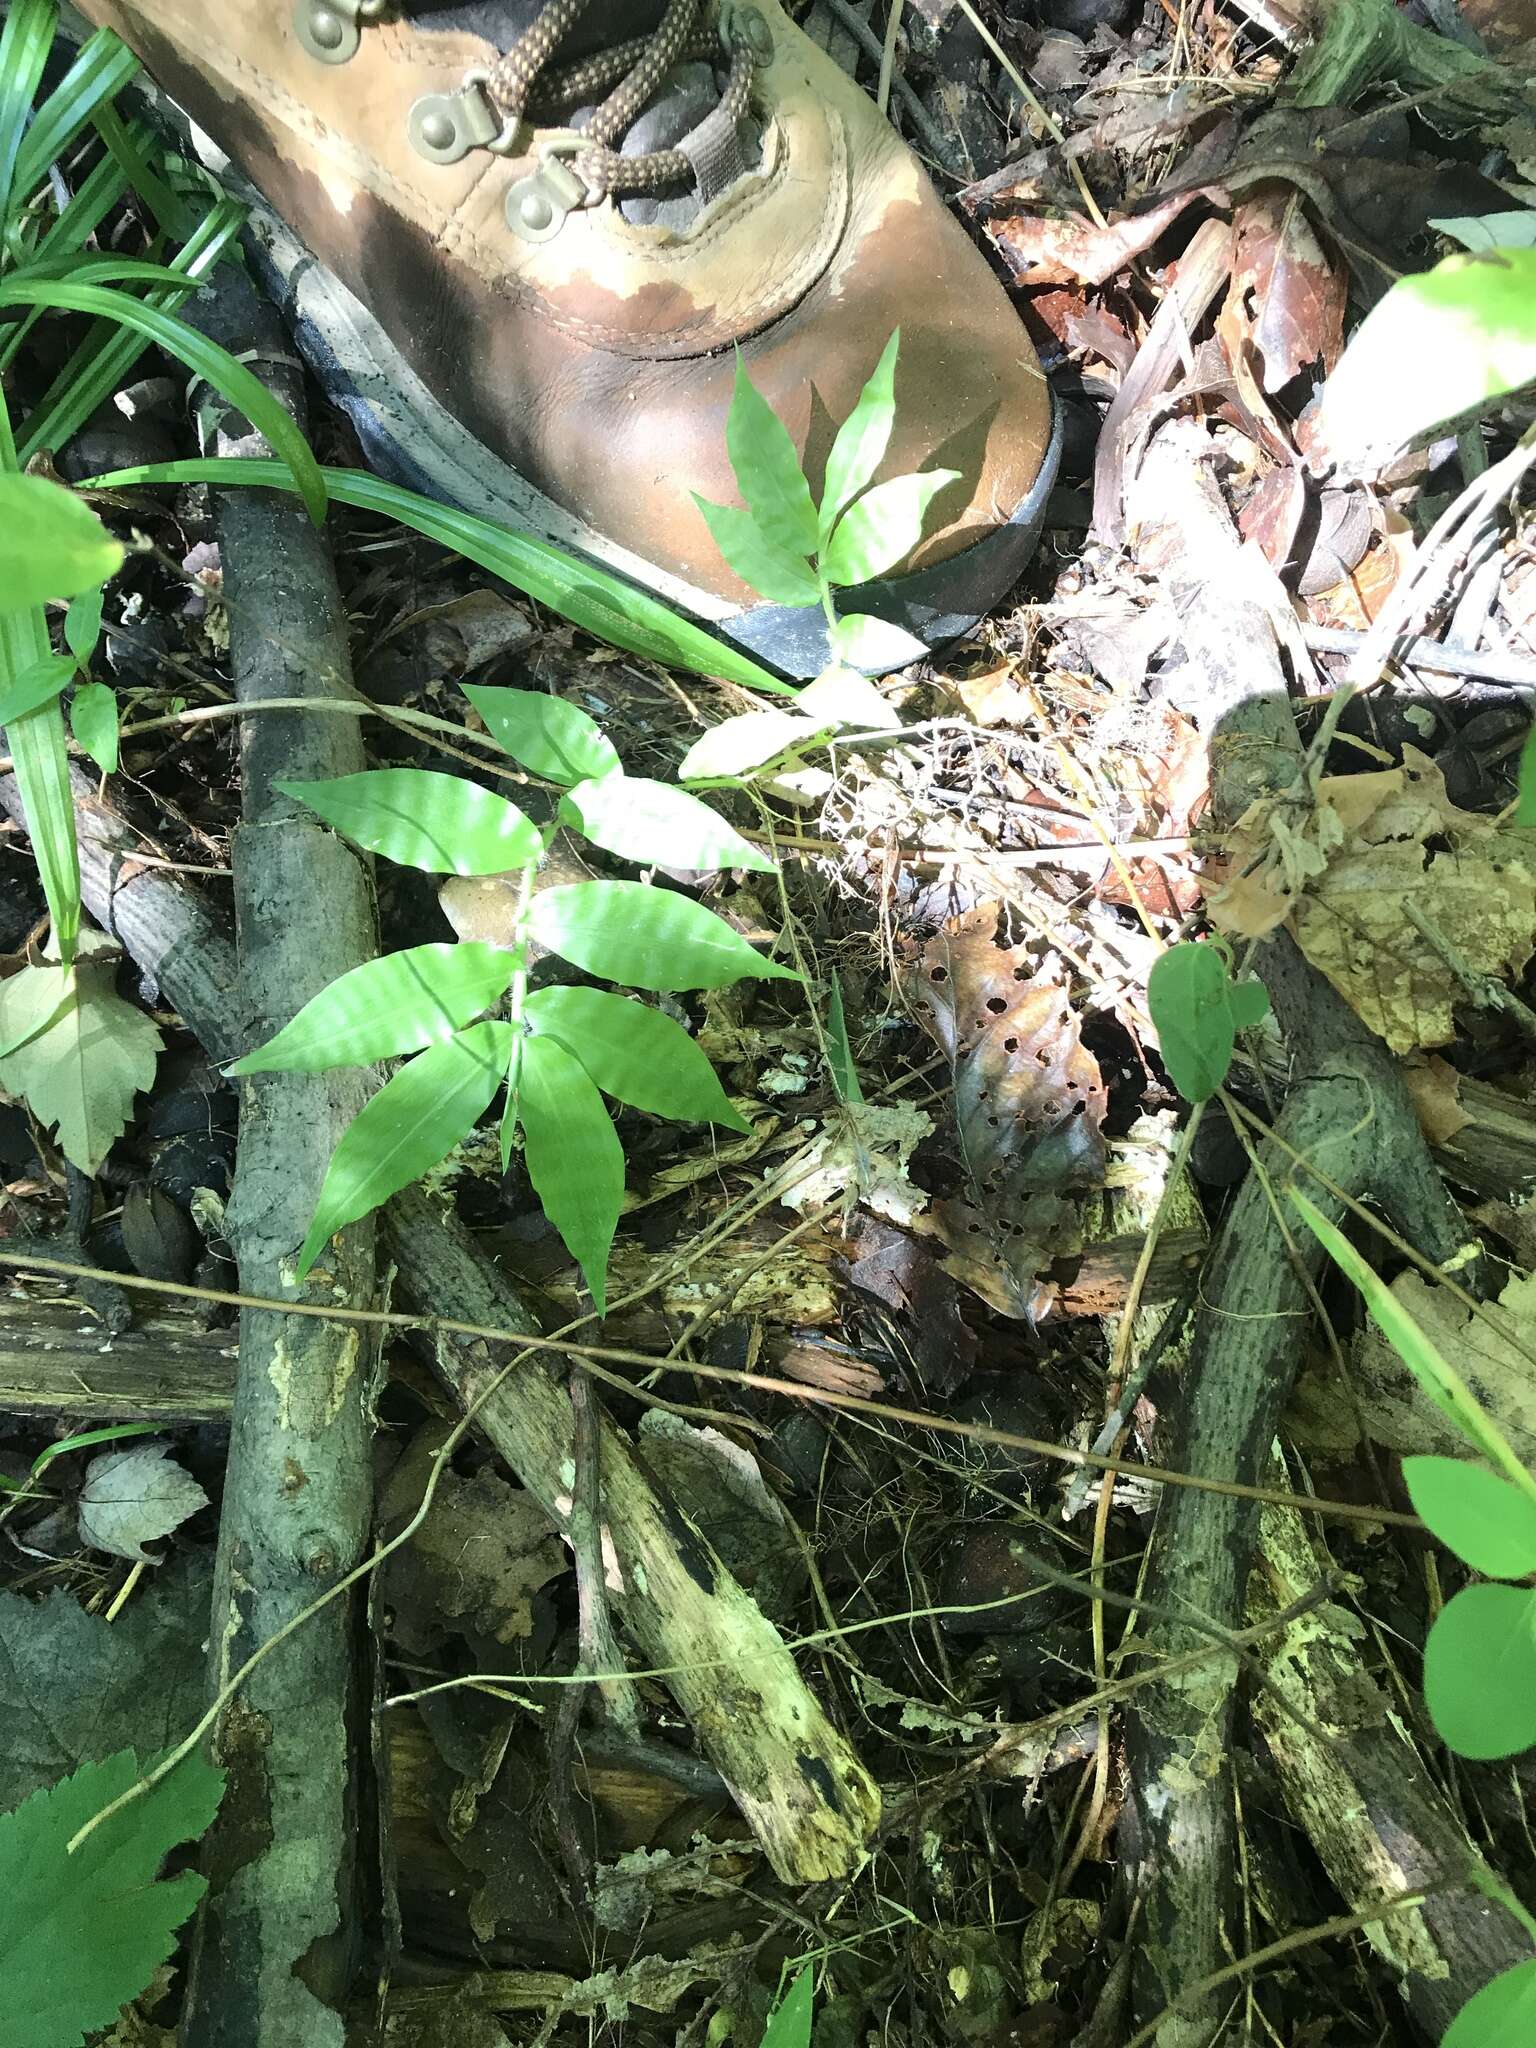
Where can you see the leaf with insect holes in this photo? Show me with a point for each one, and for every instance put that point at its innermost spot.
(574, 1157)
(1198, 1010)
(423, 819)
(771, 570)
(1501, 2015)
(767, 468)
(81, 1070)
(51, 543)
(648, 821)
(82, 626)
(879, 529)
(789, 2023)
(38, 684)
(86, 1930)
(93, 721)
(387, 1008)
(634, 1054)
(645, 938)
(416, 1119)
(1489, 1522)
(546, 734)
(135, 1497)
(861, 441)
(1480, 1672)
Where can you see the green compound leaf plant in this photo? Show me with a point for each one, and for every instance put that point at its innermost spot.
(556, 1051)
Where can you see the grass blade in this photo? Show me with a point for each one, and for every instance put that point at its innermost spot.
(104, 66)
(24, 47)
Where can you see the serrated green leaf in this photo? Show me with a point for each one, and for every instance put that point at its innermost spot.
(738, 745)
(94, 723)
(415, 1120)
(1501, 2015)
(644, 937)
(1472, 320)
(387, 1008)
(771, 570)
(1490, 1524)
(1189, 995)
(82, 626)
(37, 685)
(51, 543)
(767, 468)
(882, 528)
(861, 443)
(549, 736)
(789, 2024)
(30, 1000)
(634, 1054)
(649, 821)
(423, 819)
(574, 1158)
(85, 1933)
(1480, 1672)
(81, 1072)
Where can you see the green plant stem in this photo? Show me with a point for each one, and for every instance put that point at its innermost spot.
(826, 600)
(517, 994)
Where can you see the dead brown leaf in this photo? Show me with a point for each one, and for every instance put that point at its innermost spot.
(1039, 249)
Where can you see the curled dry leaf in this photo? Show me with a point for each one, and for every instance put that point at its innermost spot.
(1029, 1105)
(1343, 873)
(1042, 250)
(135, 1497)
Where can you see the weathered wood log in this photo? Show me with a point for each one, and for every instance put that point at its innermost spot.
(58, 1363)
(279, 1935)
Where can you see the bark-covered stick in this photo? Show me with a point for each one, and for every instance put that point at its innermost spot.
(280, 1933)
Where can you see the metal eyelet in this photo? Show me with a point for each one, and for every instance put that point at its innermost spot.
(743, 27)
(330, 30)
(445, 126)
(536, 206)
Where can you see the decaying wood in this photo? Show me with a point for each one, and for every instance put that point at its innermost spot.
(1354, 1780)
(280, 1931)
(827, 1804)
(58, 1363)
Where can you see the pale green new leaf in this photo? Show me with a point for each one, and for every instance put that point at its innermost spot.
(1439, 346)
(574, 1158)
(93, 721)
(415, 1120)
(865, 642)
(1490, 1524)
(634, 1054)
(85, 1932)
(549, 736)
(387, 1008)
(423, 819)
(648, 821)
(772, 571)
(643, 937)
(842, 697)
(882, 527)
(1480, 1672)
(1501, 2015)
(35, 686)
(51, 543)
(738, 745)
(767, 468)
(861, 441)
(81, 1072)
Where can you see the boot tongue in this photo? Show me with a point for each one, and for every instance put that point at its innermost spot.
(501, 22)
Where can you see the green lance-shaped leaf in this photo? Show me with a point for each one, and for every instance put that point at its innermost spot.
(634, 1054)
(94, 722)
(82, 626)
(25, 41)
(423, 819)
(85, 1932)
(642, 820)
(865, 642)
(1525, 808)
(1501, 2015)
(789, 2024)
(37, 685)
(387, 1008)
(645, 938)
(1480, 1672)
(771, 570)
(1444, 343)
(749, 740)
(883, 527)
(574, 1157)
(861, 443)
(1490, 1524)
(415, 1120)
(767, 466)
(546, 734)
(51, 543)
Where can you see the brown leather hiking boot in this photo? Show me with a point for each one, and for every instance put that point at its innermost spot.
(520, 239)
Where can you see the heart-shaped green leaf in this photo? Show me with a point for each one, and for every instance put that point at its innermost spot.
(1480, 1671)
(423, 819)
(1489, 1522)
(645, 938)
